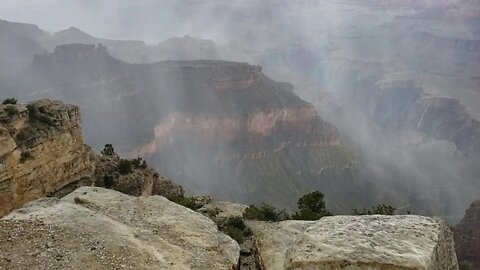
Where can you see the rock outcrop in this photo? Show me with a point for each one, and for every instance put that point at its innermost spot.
(41, 151)
(467, 236)
(139, 179)
(357, 242)
(96, 228)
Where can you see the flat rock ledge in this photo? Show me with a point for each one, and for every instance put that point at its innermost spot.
(357, 242)
(96, 228)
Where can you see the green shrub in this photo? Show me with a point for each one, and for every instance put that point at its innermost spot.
(236, 229)
(9, 101)
(382, 209)
(264, 212)
(235, 233)
(108, 150)
(35, 115)
(11, 111)
(311, 207)
(139, 163)
(236, 222)
(188, 202)
(108, 181)
(213, 212)
(124, 166)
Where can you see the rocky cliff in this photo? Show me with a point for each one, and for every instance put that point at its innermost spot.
(467, 236)
(133, 177)
(41, 151)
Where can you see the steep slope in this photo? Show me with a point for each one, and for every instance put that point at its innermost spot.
(467, 236)
(217, 127)
(41, 152)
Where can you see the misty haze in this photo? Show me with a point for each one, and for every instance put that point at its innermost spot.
(348, 113)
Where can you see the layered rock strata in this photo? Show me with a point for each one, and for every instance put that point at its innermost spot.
(41, 151)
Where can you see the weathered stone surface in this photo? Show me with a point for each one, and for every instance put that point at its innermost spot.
(96, 228)
(141, 181)
(357, 242)
(41, 151)
(223, 210)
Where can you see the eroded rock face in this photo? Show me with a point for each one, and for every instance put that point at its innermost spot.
(42, 151)
(96, 228)
(213, 126)
(467, 236)
(265, 131)
(141, 181)
(357, 242)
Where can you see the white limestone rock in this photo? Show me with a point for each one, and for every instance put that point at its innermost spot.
(357, 242)
(96, 228)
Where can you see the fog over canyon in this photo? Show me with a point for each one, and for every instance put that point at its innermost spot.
(263, 101)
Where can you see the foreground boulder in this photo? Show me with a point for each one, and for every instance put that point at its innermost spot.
(357, 242)
(96, 228)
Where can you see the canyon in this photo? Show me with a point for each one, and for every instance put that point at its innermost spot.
(369, 102)
(353, 73)
(213, 126)
(68, 230)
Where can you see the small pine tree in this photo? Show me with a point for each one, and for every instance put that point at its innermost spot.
(108, 150)
(124, 166)
(311, 207)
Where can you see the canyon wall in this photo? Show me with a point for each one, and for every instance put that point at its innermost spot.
(303, 125)
(41, 151)
(216, 127)
(467, 236)
(402, 105)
